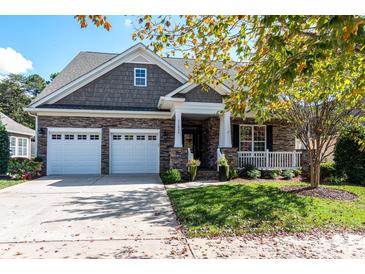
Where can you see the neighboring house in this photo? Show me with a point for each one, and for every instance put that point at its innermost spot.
(136, 112)
(20, 137)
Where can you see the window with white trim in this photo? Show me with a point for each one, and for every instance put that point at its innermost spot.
(252, 138)
(69, 137)
(12, 146)
(56, 136)
(18, 146)
(140, 77)
(117, 137)
(82, 137)
(140, 137)
(152, 137)
(94, 137)
(128, 137)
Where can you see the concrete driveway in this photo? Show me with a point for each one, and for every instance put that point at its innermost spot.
(89, 217)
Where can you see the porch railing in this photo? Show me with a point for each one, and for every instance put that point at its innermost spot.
(270, 160)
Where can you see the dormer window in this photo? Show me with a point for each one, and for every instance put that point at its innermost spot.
(140, 77)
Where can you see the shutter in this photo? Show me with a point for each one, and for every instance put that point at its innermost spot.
(269, 137)
(236, 136)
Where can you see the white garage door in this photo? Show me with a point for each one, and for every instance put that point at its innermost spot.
(72, 152)
(135, 152)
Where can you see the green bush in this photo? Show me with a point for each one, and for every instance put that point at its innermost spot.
(245, 169)
(287, 174)
(270, 174)
(297, 172)
(349, 156)
(233, 173)
(4, 149)
(328, 169)
(171, 176)
(23, 168)
(253, 174)
(335, 180)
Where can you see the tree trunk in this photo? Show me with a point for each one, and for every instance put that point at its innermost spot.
(315, 176)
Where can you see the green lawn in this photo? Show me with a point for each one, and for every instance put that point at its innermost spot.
(7, 183)
(235, 209)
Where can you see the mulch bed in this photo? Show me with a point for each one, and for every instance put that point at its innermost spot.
(321, 192)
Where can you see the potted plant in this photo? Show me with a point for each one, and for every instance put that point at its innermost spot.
(192, 166)
(223, 169)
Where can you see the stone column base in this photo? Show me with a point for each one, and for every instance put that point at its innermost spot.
(179, 159)
(231, 155)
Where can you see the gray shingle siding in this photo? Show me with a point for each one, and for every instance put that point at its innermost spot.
(116, 88)
(198, 94)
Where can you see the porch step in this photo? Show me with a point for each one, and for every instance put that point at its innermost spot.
(207, 174)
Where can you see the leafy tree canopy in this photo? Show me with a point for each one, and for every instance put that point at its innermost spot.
(307, 71)
(16, 93)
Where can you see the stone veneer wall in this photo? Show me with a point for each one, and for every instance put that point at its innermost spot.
(166, 127)
(210, 141)
(178, 159)
(231, 155)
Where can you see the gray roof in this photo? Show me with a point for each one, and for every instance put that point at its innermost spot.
(14, 127)
(86, 61)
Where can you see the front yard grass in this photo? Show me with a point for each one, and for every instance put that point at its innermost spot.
(236, 209)
(7, 183)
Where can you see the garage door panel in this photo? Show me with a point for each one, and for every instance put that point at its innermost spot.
(69, 155)
(139, 155)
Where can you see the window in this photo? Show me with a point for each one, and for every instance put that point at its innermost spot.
(117, 137)
(69, 136)
(152, 137)
(81, 137)
(56, 136)
(22, 147)
(252, 138)
(94, 137)
(128, 137)
(140, 137)
(12, 146)
(18, 146)
(140, 77)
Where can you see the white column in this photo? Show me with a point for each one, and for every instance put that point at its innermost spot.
(227, 130)
(178, 130)
(221, 131)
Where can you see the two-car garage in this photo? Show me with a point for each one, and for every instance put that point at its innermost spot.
(79, 151)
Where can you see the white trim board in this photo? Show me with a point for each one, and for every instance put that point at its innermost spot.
(134, 130)
(108, 66)
(100, 113)
(71, 129)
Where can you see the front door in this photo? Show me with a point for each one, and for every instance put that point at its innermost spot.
(192, 138)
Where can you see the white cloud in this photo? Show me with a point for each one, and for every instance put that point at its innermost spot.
(128, 22)
(13, 62)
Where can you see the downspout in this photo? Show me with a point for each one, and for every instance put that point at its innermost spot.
(36, 134)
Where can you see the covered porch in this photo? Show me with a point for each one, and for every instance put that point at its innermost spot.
(206, 133)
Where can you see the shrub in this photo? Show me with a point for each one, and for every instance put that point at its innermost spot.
(245, 169)
(23, 168)
(171, 176)
(297, 172)
(348, 155)
(233, 173)
(4, 149)
(328, 169)
(253, 173)
(270, 174)
(335, 180)
(287, 174)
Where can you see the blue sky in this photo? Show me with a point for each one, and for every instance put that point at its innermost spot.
(50, 42)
